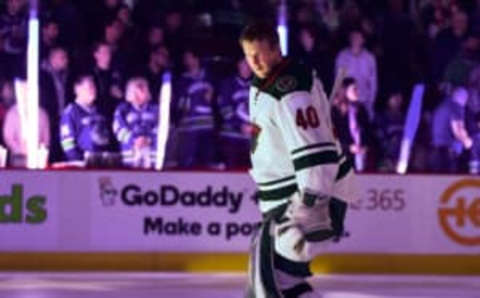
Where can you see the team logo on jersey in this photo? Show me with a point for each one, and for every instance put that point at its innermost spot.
(286, 83)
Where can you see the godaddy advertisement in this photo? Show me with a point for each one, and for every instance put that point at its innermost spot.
(176, 212)
(89, 211)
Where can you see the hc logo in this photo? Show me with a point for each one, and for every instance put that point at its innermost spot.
(459, 213)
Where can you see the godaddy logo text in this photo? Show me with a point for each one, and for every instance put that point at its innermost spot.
(170, 195)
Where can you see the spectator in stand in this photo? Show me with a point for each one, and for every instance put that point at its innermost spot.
(3, 112)
(350, 119)
(83, 129)
(56, 69)
(236, 129)
(13, 130)
(399, 47)
(124, 14)
(329, 14)
(108, 80)
(7, 64)
(135, 125)
(55, 95)
(473, 103)
(448, 44)
(7, 99)
(390, 124)
(129, 29)
(7, 93)
(50, 33)
(152, 39)
(440, 22)
(450, 138)
(473, 127)
(361, 65)
(13, 27)
(111, 8)
(159, 62)
(458, 71)
(435, 17)
(196, 112)
(113, 36)
(229, 17)
(175, 35)
(350, 16)
(70, 22)
(156, 37)
(313, 52)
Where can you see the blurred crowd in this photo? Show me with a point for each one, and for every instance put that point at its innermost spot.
(103, 63)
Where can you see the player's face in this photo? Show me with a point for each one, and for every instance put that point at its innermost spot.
(261, 56)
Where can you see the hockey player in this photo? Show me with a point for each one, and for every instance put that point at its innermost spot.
(298, 166)
(233, 106)
(83, 129)
(135, 125)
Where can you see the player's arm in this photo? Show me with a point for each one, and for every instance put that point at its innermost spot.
(67, 135)
(310, 140)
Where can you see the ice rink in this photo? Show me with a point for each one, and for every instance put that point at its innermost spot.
(163, 285)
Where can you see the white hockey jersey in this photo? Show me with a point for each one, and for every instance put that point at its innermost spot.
(294, 147)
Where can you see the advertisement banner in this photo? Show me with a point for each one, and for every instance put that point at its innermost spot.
(216, 212)
(173, 212)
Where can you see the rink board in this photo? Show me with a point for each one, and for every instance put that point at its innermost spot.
(161, 221)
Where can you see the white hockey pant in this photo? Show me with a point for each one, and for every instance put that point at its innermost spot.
(289, 238)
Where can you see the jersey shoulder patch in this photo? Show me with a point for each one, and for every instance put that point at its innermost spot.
(296, 77)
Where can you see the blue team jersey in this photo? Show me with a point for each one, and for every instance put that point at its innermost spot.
(194, 106)
(83, 130)
(233, 106)
(131, 123)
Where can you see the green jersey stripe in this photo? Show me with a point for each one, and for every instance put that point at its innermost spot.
(313, 146)
(278, 194)
(316, 159)
(344, 169)
(270, 183)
